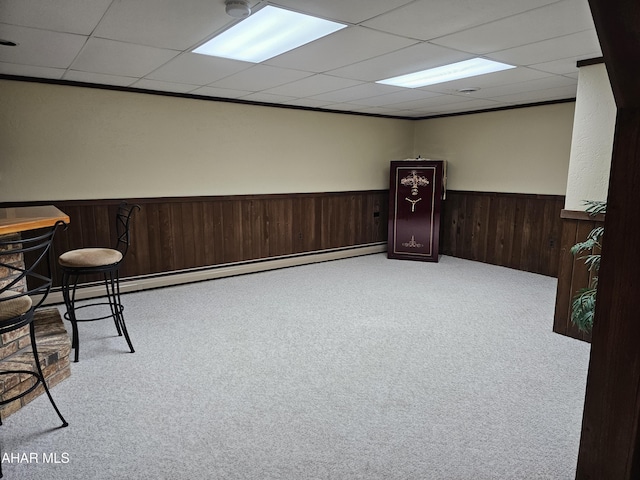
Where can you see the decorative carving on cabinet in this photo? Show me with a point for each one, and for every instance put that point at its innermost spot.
(414, 181)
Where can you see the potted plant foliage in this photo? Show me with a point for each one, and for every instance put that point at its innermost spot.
(584, 303)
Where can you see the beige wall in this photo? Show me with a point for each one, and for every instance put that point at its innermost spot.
(592, 141)
(61, 142)
(521, 150)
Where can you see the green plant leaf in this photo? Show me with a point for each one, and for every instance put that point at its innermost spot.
(583, 308)
(592, 262)
(595, 207)
(596, 233)
(587, 245)
(584, 302)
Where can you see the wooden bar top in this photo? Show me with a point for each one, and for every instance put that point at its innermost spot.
(19, 219)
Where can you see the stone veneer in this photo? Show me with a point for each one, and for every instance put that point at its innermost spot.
(52, 339)
(54, 347)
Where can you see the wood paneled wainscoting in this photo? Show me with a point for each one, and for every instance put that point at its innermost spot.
(520, 231)
(183, 239)
(172, 235)
(573, 273)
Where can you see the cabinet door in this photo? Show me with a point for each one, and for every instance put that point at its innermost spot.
(414, 209)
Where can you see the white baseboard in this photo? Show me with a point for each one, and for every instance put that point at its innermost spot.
(219, 271)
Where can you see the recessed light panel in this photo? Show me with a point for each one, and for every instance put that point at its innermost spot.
(447, 73)
(267, 33)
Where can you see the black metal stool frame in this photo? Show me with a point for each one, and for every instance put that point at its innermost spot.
(40, 246)
(111, 278)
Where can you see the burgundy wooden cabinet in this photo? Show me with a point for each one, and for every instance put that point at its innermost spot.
(415, 195)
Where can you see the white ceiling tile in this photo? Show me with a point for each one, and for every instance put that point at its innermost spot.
(267, 97)
(349, 45)
(364, 90)
(409, 59)
(260, 77)
(427, 19)
(505, 77)
(577, 44)
(340, 10)
(521, 87)
(313, 85)
(163, 23)
(382, 111)
(424, 112)
(163, 86)
(346, 107)
(406, 95)
(118, 58)
(390, 112)
(147, 43)
(558, 93)
(197, 69)
(430, 103)
(30, 70)
(565, 66)
(219, 92)
(307, 102)
(468, 105)
(39, 47)
(98, 78)
(69, 16)
(558, 19)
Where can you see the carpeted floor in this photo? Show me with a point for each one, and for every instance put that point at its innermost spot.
(364, 368)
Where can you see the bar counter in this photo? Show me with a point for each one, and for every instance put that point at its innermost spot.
(20, 219)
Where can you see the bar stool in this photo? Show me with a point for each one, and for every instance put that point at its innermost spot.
(26, 286)
(106, 262)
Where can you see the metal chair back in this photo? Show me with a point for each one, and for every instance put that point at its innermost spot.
(123, 226)
(26, 266)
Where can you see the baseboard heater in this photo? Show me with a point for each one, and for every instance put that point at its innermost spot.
(167, 279)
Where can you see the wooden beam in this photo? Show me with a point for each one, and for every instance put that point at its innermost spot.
(609, 446)
(618, 25)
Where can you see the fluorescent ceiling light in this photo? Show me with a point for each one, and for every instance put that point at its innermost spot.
(267, 33)
(447, 73)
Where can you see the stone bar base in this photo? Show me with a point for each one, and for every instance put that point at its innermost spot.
(54, 347)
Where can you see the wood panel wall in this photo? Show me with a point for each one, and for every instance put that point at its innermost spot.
(518, 231)
(572, 272)
(172, 234)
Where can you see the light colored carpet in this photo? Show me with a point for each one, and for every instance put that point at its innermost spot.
(364, 368)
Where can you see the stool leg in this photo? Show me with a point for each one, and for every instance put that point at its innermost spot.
(36, 358)
(115, 289)
(69, 295)
(113, 301)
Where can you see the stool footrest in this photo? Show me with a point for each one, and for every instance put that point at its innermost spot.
(119, 308)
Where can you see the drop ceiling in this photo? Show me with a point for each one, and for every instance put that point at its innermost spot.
(146, 44)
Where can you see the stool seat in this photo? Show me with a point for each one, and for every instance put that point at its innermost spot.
(90, 257)
(14, 307)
